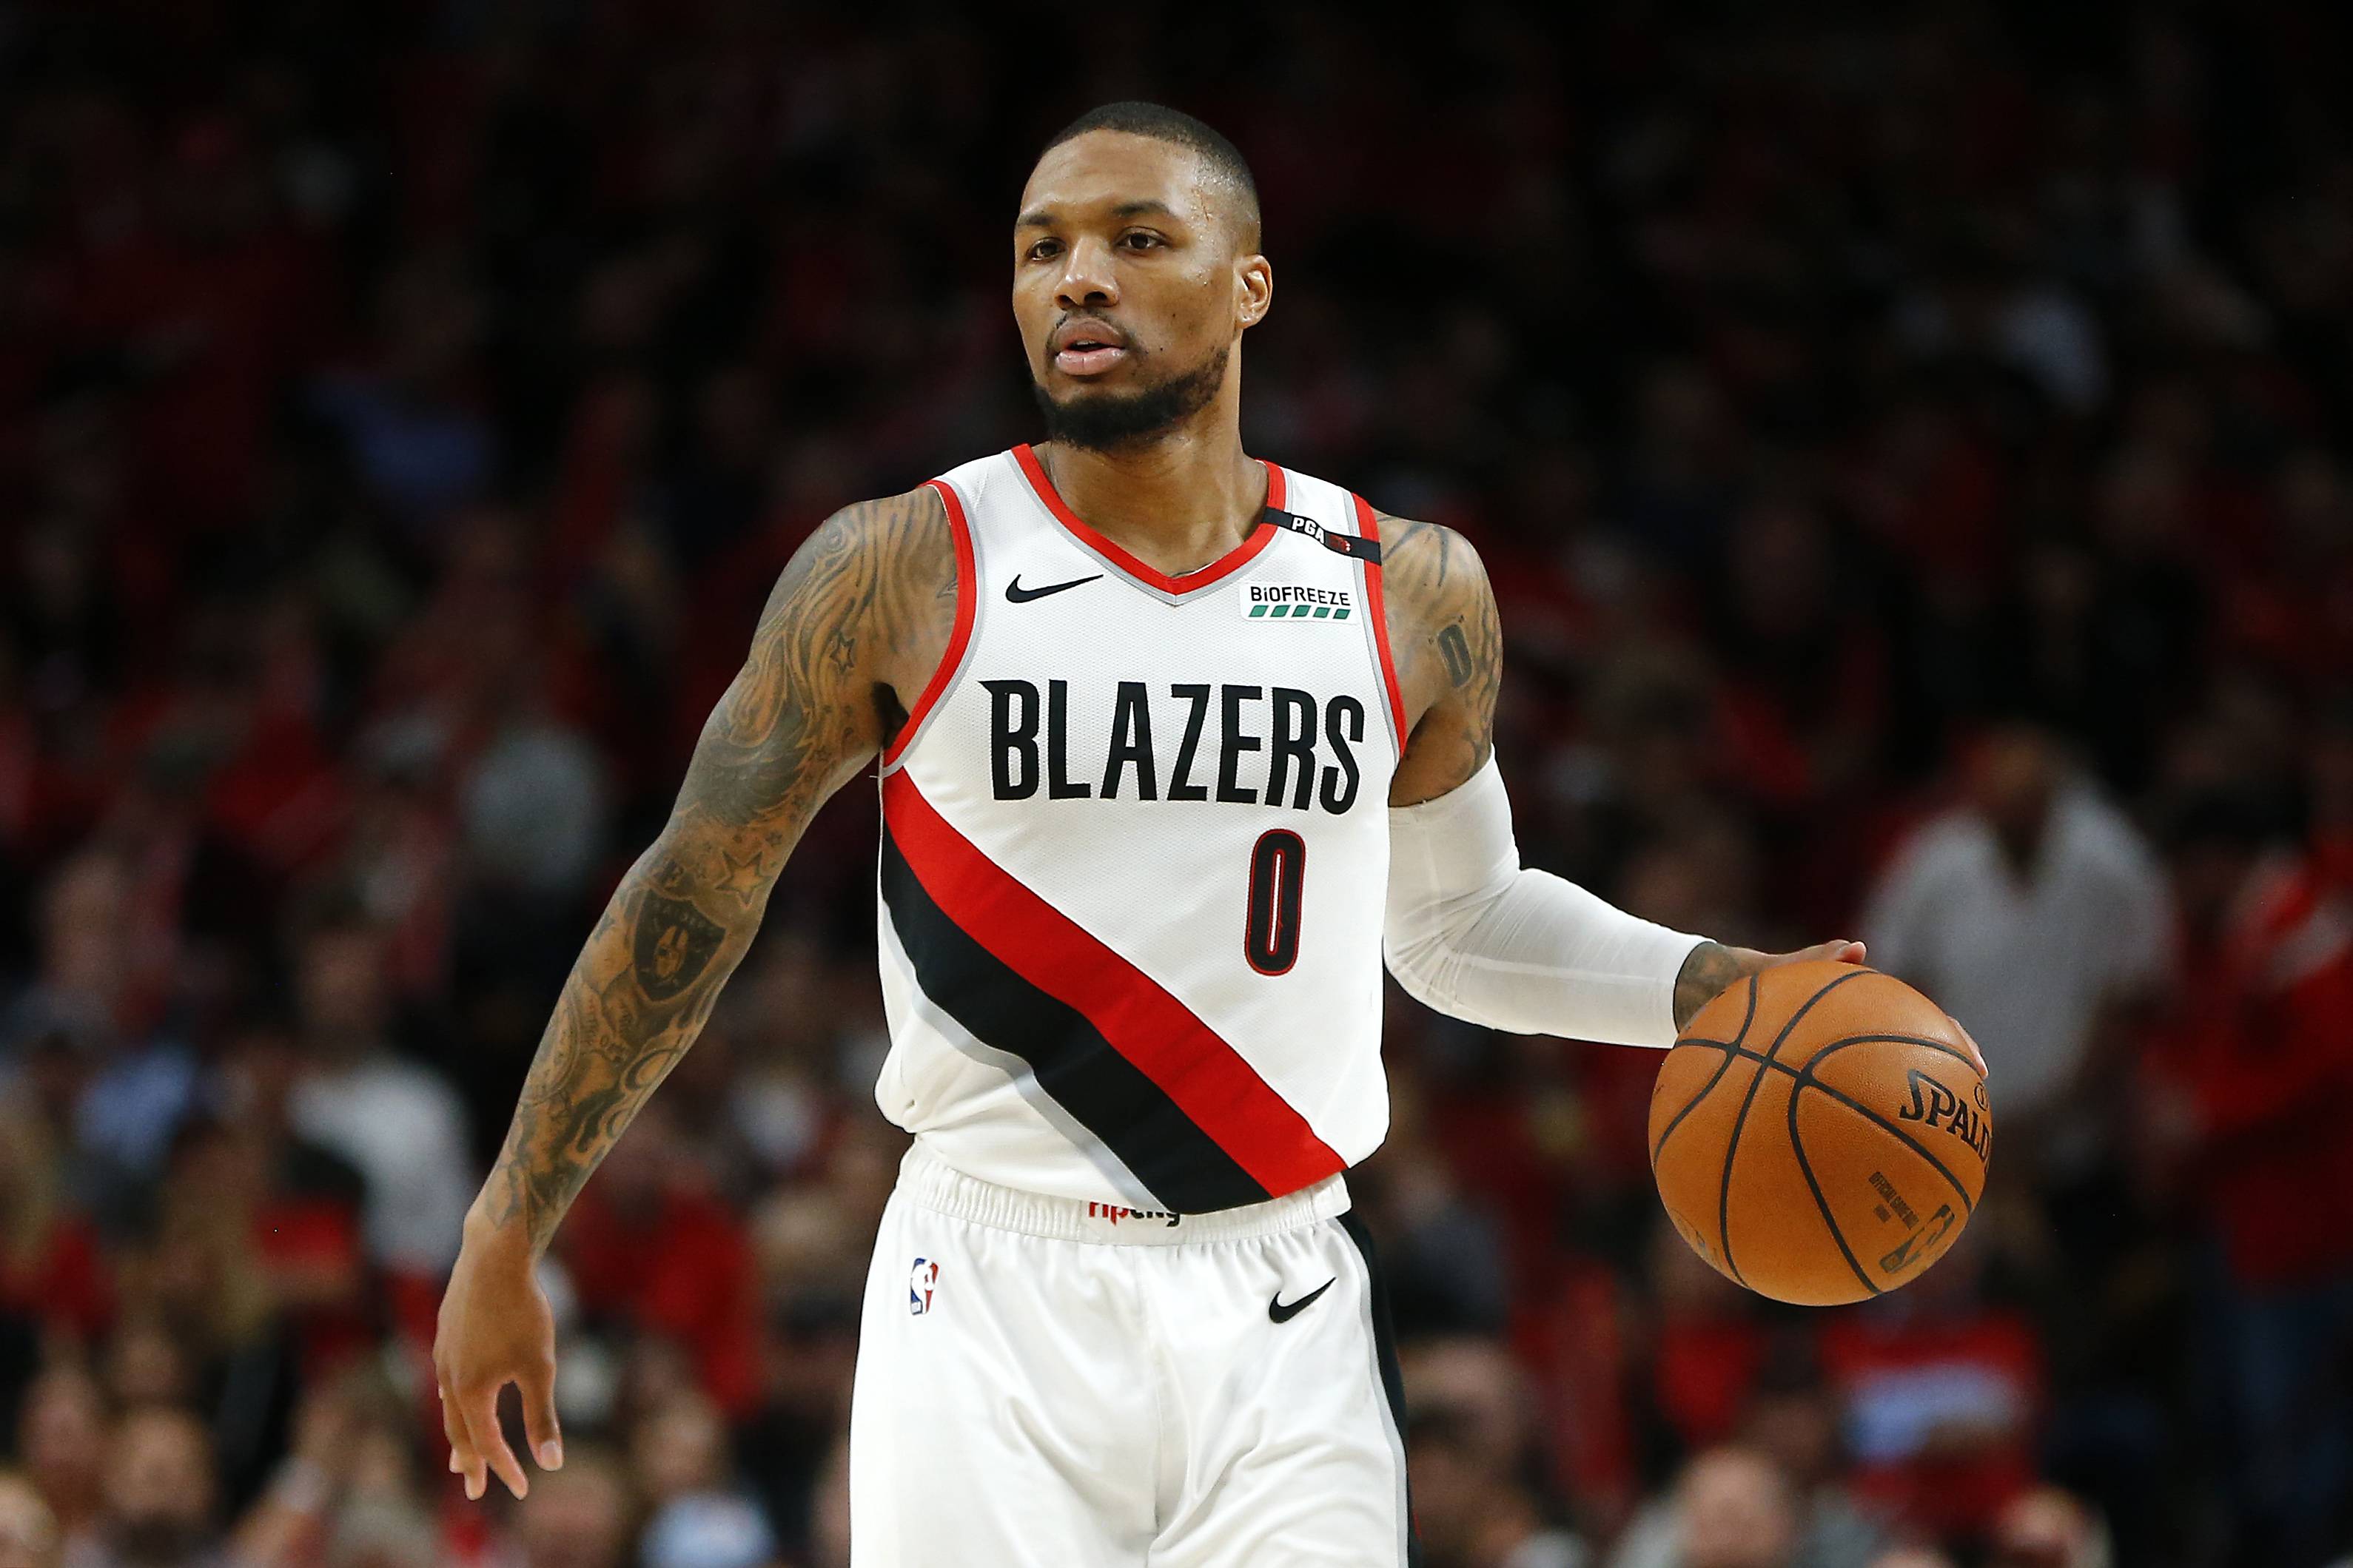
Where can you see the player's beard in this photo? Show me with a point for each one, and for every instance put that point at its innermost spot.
(1107, 421)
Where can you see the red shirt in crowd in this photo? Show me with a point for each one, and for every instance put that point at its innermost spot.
(60, 1281)
(1940, 1411)
(2261, 1048)
(683, 1269)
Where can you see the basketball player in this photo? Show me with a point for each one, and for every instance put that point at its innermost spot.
(1175, 743)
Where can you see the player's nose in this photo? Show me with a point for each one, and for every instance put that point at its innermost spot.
(1087, 276)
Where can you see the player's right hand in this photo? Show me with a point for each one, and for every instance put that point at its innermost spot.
(495, 1329)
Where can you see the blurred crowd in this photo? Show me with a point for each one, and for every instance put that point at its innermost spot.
(1913, 450)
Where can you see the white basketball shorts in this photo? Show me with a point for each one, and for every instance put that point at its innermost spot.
(1045, 1383)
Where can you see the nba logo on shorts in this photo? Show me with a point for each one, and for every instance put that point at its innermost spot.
(925, 1275)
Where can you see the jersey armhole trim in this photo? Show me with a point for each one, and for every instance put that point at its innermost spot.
(966, 611)
(1377, 612)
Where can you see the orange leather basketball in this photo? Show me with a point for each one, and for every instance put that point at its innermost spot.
(1819, 1133)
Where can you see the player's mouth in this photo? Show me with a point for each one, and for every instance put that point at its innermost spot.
(1087, 347)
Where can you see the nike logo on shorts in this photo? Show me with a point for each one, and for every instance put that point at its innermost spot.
(1015, 593)
(1283, 1312)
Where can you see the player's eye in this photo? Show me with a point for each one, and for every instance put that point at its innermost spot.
(1138, 239)
(1043, 249)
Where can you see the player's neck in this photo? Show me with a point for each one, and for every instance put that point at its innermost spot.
(1177, 503)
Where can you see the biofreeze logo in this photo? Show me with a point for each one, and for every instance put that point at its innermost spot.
(1295, 602)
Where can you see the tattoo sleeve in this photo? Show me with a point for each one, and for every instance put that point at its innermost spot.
(1450, 654)
(861, 604)
(1705, 972)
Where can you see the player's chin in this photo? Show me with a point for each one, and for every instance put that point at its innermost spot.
(1070, 394)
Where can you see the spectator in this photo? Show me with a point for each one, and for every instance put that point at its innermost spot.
(203, 1324)
(160, 1494)
(650, 1249)
(2251, 1075)
(811, 1353)
(145, 1362)
(28, 1531)
(85, 968)
(1806, 686)
(1706, 1344)
(370, 1533)
(308, 1204)
(829, 1511)
(2034, 912)
(51, 1268)
(582, 1516)
(61, 1438)
(1941, 1391)
(1445, 1261)
(399, 1125)
(414, 442)
(534, 807)
(1791, 1418)
(1731, 1509)
(700, 1515)
(1470, 1513)
(96, 999)
(2046, 1527)
(1794, 1418)
(346, 1493)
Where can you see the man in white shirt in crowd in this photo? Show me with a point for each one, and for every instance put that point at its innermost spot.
(2036, 910)
(401, 1125)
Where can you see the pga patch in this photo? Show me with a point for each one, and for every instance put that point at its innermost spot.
(1296, 602)
(920, 1281)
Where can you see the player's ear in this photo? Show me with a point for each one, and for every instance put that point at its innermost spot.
(1253, 290)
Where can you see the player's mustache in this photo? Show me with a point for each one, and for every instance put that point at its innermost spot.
(1078, 326)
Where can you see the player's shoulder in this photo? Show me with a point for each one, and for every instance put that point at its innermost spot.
(1440, 614)
(911, 519)
(870, 547)
(878, 577)
(1430, 573)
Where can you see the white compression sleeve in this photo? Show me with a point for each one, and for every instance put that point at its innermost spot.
(1471, 932)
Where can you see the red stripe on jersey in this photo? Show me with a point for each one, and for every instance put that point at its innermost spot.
(1218, 570)
(1205, 1077)
(968, 603)
(1369, 527)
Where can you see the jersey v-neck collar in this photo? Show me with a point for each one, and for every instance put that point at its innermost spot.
(1141, 573)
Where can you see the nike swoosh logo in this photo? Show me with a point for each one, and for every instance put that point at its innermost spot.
(1015, 593)
(1283, 1312)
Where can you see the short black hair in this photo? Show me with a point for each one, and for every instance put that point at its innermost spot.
(1173, 126)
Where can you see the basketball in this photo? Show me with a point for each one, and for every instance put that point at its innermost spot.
(1819, 1133)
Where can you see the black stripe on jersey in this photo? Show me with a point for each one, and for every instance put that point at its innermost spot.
(1355, 546)
(1182, 1166)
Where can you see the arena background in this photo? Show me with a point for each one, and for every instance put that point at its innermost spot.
(1881, 428)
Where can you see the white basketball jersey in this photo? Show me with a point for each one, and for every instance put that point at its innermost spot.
(1135, 853)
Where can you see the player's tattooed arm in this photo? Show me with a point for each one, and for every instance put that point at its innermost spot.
(1449, 650)
(859, 615)
(1711, 967)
